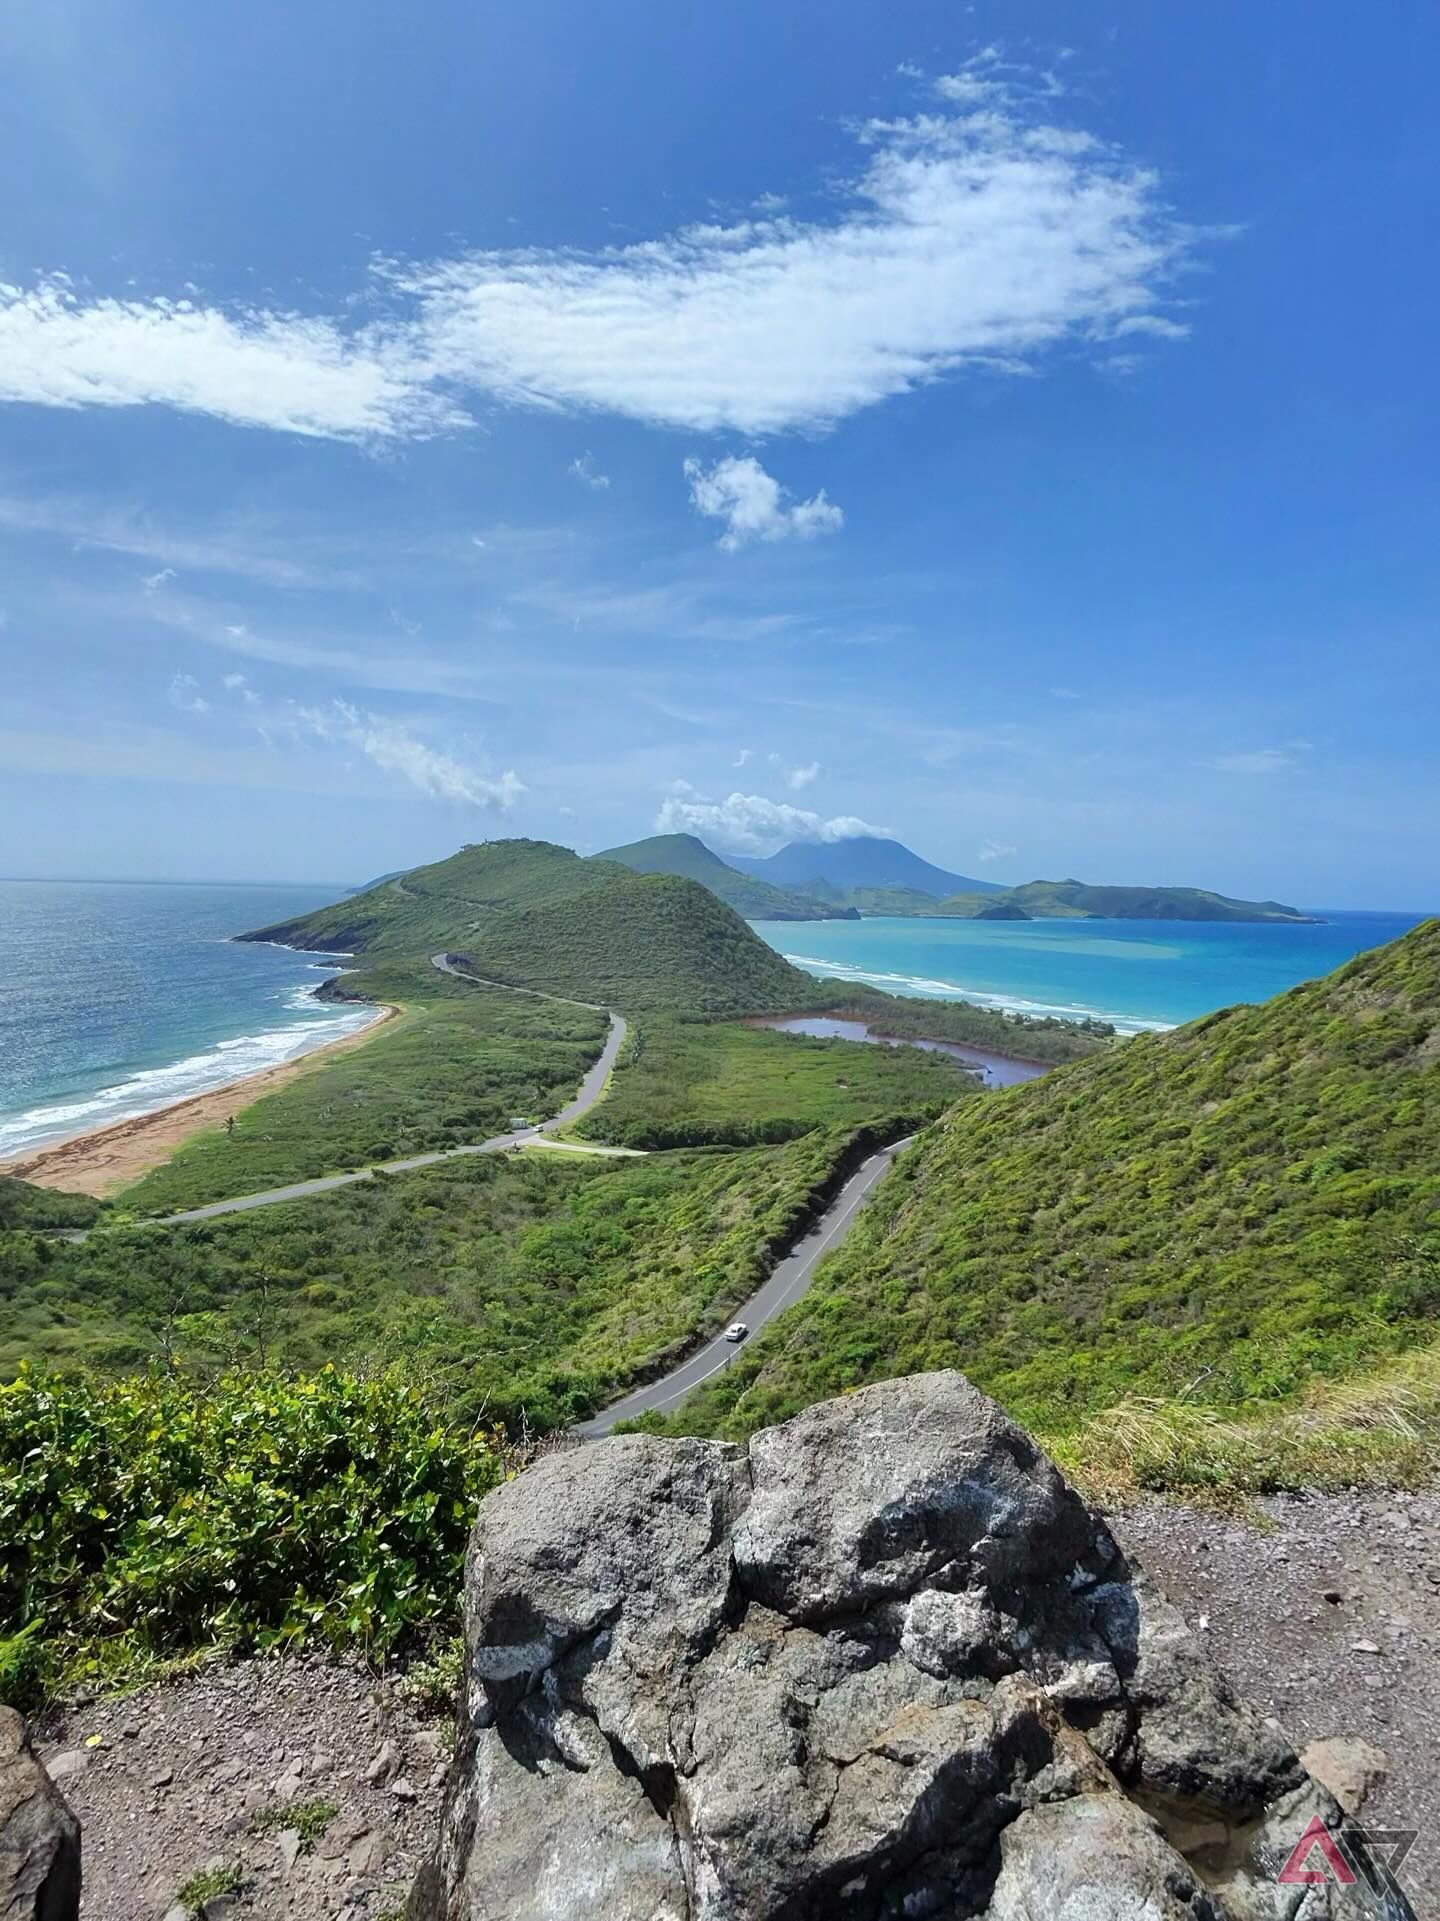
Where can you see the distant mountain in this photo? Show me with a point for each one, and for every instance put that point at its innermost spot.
(536, 915)
(867, 861)
(683, 854)
(1074, 900)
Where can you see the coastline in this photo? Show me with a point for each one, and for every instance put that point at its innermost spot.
(102, 1159)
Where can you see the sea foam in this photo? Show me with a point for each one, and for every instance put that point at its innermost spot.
(202, 1073)
(919, 986)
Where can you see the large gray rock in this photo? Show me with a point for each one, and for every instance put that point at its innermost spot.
(39, 1836)
(882, 1664)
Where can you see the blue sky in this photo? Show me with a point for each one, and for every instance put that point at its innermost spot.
(1008, 426)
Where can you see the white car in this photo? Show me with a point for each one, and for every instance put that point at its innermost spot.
(736, 1331)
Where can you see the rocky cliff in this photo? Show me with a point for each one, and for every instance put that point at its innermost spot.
(882, 1664)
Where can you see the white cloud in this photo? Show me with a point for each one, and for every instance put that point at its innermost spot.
(394, 748)
(801, 777)
(751, 824)
(996, 850)
(152, 583)
(980, 233)
(743, 758)
(584, 469)
(185, 694)
(751, 503)
(1262, 760)
(291, 372)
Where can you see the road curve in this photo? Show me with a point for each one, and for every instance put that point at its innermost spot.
(784, 1287)
(592, 1088)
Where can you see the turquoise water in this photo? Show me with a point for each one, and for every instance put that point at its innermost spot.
(118, 999)
(1138, 974)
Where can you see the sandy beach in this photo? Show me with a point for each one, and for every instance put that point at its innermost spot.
(107, 1158)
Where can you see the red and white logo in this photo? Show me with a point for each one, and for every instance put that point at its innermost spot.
(1333, 1866)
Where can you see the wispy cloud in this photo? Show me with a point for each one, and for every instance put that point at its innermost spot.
(802, 777)
(394, 748)
(996, 850)
(979, 233)
(752, 504)
(1259, 760)
(185, 694)
(583, 468)
(751, 824)
(152, 583)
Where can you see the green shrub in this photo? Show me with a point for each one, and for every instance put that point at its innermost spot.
(146, 1516)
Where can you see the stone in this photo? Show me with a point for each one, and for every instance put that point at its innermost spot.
(883, 1663)
(67, 1764)
(39, 1836)
(289, 1843)
(386, 1765)
(368, 1853)
(1349, 1767)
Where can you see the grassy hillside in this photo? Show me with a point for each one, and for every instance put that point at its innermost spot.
(687, 1083)
(1074, 900)
(655, 942)
(535, 915)
(537, 1282)
(1227, 1212)
(685, 855)
(865, 860)
(22, 1205)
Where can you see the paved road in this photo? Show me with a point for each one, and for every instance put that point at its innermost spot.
(591, 1090)
(784, 1287)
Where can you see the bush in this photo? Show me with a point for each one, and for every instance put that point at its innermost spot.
(146, 1516)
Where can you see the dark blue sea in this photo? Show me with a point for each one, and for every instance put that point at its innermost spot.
(117, 999)
(1136, 974)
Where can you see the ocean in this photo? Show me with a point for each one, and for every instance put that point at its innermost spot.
(1135, 974)
(116, 999)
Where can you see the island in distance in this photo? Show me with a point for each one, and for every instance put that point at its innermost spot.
(852, 879)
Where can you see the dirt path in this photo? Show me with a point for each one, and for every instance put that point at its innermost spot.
(107, 1158)
(1328, 1618)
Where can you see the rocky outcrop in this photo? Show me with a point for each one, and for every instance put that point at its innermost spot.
(39, 1836)
(882, 1664)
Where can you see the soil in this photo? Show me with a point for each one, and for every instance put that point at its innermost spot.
(108, 1158)
(200, 1771)
(1324, 1610)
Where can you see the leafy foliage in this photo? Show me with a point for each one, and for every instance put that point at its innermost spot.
(22, 1205)
(682, 1083)
(525, 1287)
(1230, 1210)
(150, 1514)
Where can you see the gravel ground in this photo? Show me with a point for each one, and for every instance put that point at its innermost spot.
(1327, 1615)
(1325, 1610)
(181, 1773)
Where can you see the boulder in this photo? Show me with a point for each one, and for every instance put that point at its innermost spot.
(882, 1664)
(39, 1836)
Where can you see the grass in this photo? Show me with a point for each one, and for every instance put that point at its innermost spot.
(529, 1286)
(207, 1885)
(1381, 1429)
(689, 1083)
(457, 1065)
(308, 1819)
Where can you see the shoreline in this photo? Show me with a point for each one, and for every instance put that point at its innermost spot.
(99, 1160)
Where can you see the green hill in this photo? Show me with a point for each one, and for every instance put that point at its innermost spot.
(689, 857)
(1224, 1213)
(1075, 900)
(536, 915)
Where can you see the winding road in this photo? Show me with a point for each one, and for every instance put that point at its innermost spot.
(784, 1287)
(592, 1087)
